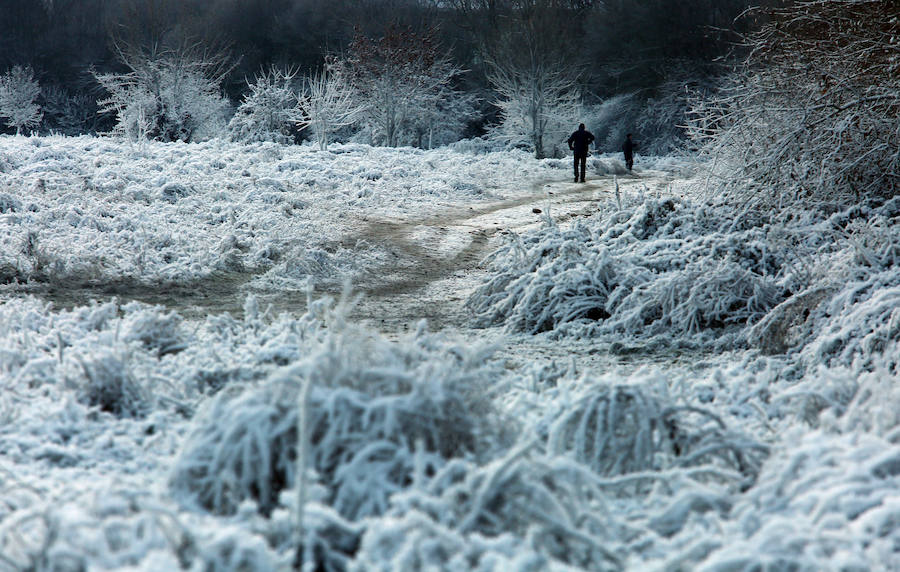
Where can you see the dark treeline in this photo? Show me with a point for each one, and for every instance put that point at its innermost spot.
(617, 46)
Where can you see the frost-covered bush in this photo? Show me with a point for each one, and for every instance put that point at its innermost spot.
(401, 82)
(109, 384)
(372, 407)
(119, 529)
(328, 105)
(270, 110)
(534, 510)
(623, 429)
(656, 120)
(538, 101)
(158, 331)
(858, 323)
(612, 119)
(843, 295)
(661, 267)
(813, 115)
(19, 92)
(173, 95)
(68, 113)
(815, 484)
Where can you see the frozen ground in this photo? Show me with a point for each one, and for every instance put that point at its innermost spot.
(635, 380)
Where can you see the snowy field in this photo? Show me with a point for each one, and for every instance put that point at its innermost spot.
(620, 375)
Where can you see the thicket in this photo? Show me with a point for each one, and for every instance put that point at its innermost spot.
(812, 116)
(658, 270)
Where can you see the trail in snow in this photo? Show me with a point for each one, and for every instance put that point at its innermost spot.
(430, 262)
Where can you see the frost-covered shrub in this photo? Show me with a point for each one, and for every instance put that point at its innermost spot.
(371, 405)
(875, 405)
(656, 121)
(609, 471)
(615, 430)
(68, 113)
(535, 511)
(169, 96)
(538, 103)
(842, 309)
(812, 116)
(270, 110)
(158, 331)
(815, 484)
(120, 529)
(413, 541)
(327, 104)
(858, 323)
(401, 82)
(9, 203)
(109, 384)
(658, 268)
(612, 119)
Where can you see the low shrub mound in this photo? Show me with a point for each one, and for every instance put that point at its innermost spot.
(371, 407)
(622, 429)
(660, 268)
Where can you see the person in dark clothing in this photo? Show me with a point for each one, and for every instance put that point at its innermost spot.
(579, 142)
(628, 148)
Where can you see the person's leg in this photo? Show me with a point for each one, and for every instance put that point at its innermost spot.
(583, 166)
(575, 165)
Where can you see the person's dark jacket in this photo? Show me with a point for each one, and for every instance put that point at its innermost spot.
(580, 141)
(628, 148)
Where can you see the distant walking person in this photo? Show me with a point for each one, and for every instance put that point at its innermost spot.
(579, 142)
(628, 148)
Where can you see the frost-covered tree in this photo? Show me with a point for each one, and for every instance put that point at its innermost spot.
(443, 121)
(328, 104)
(534, 74)
(168, 94)
(814, 113)
(538, 101)
(270, 110)
(18, 98)
(398, 79)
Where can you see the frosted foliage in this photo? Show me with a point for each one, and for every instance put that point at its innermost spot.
(539, 105)
(371, 406)
(629, 429)
(68, 113)
(612, 119)
(169, 97)
(704, 389)
(19, 92)
(401, 83)
(327, 102)
(541, 512)
(657, 268)
(813, 114)
(269, 111)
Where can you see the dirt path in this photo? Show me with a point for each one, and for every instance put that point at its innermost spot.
(428, 265)
(435, 261)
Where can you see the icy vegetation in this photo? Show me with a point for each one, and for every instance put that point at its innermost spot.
(659, 267)
(82, 211)
(135, 438)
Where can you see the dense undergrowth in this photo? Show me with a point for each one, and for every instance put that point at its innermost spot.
(667, 272)
(427, 453)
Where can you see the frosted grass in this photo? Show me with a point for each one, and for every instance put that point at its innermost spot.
(132, 438)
